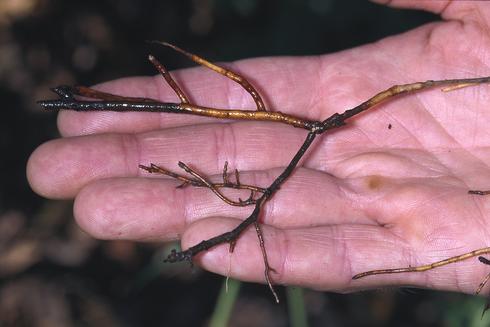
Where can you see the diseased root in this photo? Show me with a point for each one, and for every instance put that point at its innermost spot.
(436, 264)
(200, 181)
(82, 98)
(430, 266)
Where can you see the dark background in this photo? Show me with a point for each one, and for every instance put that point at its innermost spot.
(51, 273)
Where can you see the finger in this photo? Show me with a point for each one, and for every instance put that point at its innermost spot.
(61, 167)
(146, 208)
(286, 83)
(326, 258)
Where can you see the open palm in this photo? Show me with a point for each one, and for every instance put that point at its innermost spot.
(387, 190)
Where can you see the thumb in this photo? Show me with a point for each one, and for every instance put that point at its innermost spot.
(437, 7)
(478, 11)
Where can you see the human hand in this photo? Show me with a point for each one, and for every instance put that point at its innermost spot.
(366, 197)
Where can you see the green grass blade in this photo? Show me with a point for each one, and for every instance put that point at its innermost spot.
(224, 304)
(296, 306)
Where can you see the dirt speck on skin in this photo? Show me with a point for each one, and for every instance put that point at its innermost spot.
(374, 182)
